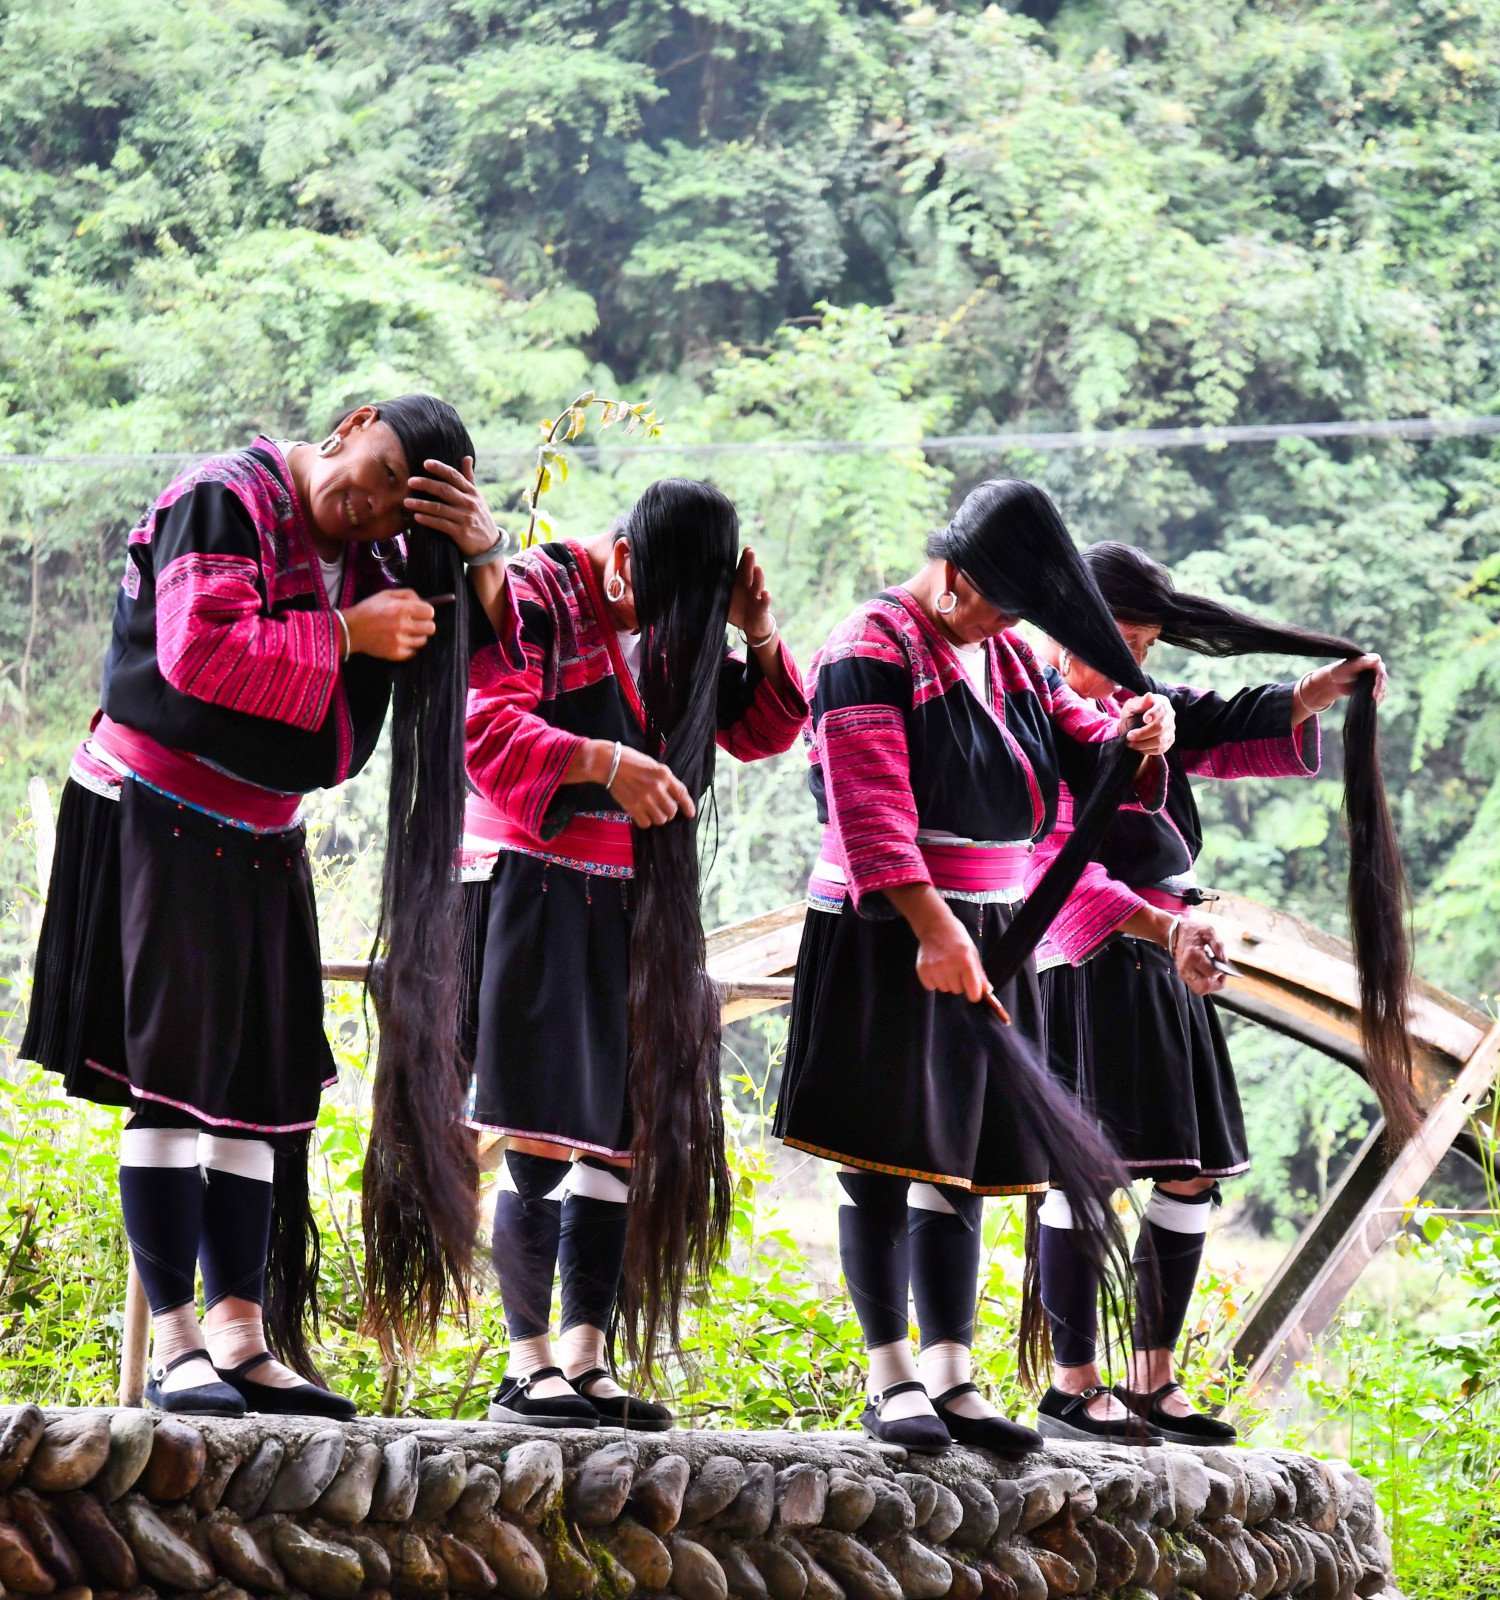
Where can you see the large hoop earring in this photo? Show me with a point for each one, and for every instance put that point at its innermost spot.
(614, 589)
(1064, 662)
(332, 443)
(951, 607)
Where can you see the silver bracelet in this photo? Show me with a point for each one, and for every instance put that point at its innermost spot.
(614, 766)
(494, 553)
(760, 644)
(1172, 933)
(338, 617)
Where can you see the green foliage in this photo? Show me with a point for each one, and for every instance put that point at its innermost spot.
(1417, 1410)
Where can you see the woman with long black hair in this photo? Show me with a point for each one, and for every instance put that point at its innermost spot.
(1128, 964)
(595, 1028)
(268, 603)
(938, 746)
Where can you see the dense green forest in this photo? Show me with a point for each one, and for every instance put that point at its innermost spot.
(794, 220)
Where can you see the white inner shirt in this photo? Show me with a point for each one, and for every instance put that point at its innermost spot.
(975, 660)
(630, 648)
(332, 574)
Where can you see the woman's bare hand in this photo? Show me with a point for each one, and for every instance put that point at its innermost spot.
(649, 790)
(449, 502)
(1158, 729)
(392, 625)
(1194, 952)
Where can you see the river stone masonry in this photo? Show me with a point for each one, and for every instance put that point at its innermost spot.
(121, 1505)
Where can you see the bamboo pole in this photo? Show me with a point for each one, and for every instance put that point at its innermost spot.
(135, 1342)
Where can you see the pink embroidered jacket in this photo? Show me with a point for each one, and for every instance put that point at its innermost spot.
(524, 724)
(1246, 735)
(902, 750)
(224, 645)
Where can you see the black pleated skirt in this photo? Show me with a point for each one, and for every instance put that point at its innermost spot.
(884, 1074)
(179, 965)
(551, 950)
(1147, 1058)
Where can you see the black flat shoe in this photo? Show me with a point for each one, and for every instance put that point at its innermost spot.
(1195, 1429)
(623, 1410)
(514, 1402)
(1066, 1416)
(306, 1400)
(205, 1400)
(926, 1434)
(1000, 1434)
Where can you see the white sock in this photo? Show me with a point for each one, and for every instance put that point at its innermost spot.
(946, 1364)
(531, 1355)
(174, 1333)
(891, 1364)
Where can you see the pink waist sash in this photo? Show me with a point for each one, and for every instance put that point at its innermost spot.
(1162, 899)
(186, 778)
(976, 871)
(590, 842)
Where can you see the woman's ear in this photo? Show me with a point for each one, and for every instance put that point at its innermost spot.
(360, 418)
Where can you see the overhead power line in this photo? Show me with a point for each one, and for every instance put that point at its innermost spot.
(1104, 439)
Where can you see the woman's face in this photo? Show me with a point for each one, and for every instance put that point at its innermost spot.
(356, 492)
(1092, 685)
(973, 618)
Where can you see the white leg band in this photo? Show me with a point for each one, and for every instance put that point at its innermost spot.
(594, 1183)
(1057, 1211)
(928, 1197)
(1176, 1214)
(159, 1147)
(249, 1158)
(508, 1183)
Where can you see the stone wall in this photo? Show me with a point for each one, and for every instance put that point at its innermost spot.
(121, 1503)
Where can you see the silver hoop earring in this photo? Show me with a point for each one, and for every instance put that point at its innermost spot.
(333, 442)
(1064, 662)
(951, 607)
(614, 589)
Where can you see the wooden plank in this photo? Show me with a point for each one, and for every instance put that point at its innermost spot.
(1299, 1268)
(1377, 1218)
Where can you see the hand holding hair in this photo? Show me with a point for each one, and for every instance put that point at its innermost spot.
(648, 791)
(392, 625)
(1153, 734)
(1325, 686)
(449, 502)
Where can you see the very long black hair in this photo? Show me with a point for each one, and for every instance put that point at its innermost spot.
(1140, 590)
(419, 1188)
(684, 549)
(420, 1177)
(1010, 542)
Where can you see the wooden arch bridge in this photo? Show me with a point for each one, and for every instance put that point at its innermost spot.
(1300, 982)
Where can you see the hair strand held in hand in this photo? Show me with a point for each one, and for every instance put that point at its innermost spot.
(420, 1176)
(1138, 589)
(684, 544)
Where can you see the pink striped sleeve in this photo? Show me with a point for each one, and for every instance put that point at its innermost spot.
(1296, 754)
(516, 759)
(866, 776)
(772, 720)
(1097, 907)
(214, 642)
